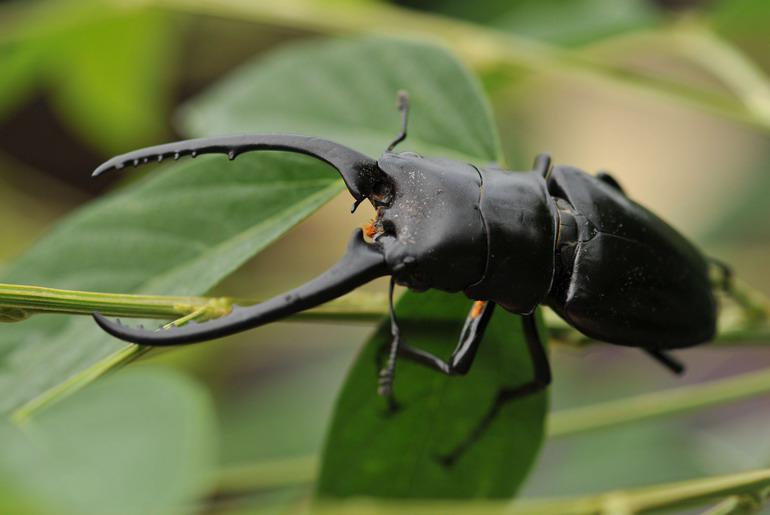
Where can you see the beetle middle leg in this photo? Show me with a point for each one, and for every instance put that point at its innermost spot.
(388, 372)
(540, 381)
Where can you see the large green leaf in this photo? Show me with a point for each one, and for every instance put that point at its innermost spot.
(346, 92)
(374, 453)
(142, 441)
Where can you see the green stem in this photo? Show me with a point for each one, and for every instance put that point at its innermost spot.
(658, 404)
(694, 40)
(658, 497)
(484, 48)
(734, 491)
(21, 301)
(264, 475)
(18, 302)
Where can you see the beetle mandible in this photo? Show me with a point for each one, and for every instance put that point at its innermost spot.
(553, 235)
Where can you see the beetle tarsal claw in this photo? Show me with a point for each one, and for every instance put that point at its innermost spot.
(361, 263)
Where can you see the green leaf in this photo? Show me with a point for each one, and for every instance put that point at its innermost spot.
(108, 67)
(142, 441)
(19, 63)
(178, 232)
(346, 92)
(371, 452)
(111, 77)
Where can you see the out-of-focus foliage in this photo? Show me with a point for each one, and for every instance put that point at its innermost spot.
(144, 430)
(108, 69)
(569, 22)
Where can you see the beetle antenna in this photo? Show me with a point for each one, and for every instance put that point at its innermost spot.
(402, 102)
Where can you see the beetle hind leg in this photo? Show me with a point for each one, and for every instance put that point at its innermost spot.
(667, 360)
(725, 274)
(540, 381)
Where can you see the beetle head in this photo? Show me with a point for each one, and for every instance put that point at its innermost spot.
(428, 221)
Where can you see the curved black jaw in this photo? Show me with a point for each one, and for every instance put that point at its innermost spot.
(361, 263)
(359, 172)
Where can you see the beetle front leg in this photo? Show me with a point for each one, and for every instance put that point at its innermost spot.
(462, 357)
(540, 381)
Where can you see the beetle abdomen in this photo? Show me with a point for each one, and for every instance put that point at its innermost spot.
(630, 278)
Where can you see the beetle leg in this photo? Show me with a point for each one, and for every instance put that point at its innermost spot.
(542, 165)
(462, 357)
(467, 345)
(388, 372)
(402, 102)
(726, 273)
(665, 359)
(606, 178)
(540, 381)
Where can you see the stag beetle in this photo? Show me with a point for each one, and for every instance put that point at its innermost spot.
(553, 235)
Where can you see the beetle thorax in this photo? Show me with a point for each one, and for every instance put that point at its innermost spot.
(520, 221)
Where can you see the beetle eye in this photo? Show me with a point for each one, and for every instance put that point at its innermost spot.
(382, 193)
(388, 227)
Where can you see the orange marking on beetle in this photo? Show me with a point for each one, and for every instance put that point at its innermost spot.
(370, 229)
(477, 308)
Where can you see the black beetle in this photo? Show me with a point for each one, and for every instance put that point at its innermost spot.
(555, 236)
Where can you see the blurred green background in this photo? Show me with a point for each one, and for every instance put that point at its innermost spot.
(671, 96)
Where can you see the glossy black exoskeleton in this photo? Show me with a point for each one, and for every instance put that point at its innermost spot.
(555, 236)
